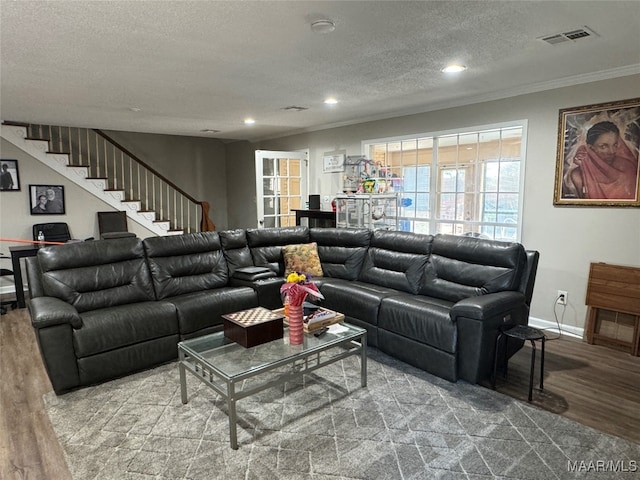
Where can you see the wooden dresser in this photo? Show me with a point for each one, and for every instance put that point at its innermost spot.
(613, 298)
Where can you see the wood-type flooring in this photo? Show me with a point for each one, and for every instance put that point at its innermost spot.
(593, 385)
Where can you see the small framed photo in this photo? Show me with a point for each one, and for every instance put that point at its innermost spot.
(10, 178)
(597, 162)
(47, 199)
(333, 163)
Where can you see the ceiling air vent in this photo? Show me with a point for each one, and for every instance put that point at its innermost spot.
(571, 35)
(293, 108)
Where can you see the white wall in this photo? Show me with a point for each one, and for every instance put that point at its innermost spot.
(568, 239)
(196, 165)
(80, 206)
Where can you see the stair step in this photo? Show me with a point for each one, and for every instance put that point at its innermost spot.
(53, 155)
(15, 124)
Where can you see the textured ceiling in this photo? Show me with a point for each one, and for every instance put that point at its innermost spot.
(193, 65)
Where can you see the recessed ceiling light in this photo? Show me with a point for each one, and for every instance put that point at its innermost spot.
(249, 121)
(454, 68)
(331, 101)
(323, 26)
(135, 109)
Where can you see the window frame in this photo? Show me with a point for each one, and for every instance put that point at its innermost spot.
(435, 171)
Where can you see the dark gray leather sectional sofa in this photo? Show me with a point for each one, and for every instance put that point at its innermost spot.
(105, 309)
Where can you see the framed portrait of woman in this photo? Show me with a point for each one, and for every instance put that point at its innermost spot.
(597, 162)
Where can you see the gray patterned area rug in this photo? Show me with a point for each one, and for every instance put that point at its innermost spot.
(406, 424)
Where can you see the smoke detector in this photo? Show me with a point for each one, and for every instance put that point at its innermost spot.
(571, 35)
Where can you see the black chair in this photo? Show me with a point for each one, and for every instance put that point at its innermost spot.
(113, 225)
(53, 232)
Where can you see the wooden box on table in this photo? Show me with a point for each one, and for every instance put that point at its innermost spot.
(253, 327)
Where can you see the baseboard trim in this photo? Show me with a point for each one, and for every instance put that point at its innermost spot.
(577, 332)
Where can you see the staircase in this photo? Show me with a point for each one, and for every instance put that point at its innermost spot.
(92, 160)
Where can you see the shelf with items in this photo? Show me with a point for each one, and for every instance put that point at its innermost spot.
(365, 176)
(374, 211)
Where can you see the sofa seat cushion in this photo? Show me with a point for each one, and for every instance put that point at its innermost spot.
(354, 298)
(116, 327)
(423, 319)
(200, 310)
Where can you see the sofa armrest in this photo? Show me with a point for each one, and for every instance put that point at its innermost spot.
(251, 274)
(49, 311)
(494, 306)
(267, 289)
(478, 320)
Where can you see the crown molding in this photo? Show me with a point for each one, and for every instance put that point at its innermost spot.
(474, 99)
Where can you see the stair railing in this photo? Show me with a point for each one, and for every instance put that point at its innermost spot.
(123, 172)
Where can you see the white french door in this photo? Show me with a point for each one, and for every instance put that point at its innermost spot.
(281, 186)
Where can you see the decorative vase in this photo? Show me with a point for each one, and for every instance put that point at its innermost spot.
(296, 325)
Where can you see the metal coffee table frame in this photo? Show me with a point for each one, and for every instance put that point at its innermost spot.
(205, 358)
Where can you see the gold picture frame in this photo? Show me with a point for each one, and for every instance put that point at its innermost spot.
(597, 162)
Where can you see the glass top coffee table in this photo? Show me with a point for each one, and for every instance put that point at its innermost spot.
(224, 365)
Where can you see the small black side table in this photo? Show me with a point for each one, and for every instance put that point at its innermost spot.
(18, 252)
(520, 332)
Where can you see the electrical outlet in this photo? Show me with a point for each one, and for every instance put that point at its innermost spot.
(562, 297)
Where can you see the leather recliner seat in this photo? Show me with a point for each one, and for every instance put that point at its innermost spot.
(104, 309)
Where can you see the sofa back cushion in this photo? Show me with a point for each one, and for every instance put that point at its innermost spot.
(98, 274)
(236, 250)
(266, 245)
(187, 263)
(396, 260)
(341, 250)
(461, 267)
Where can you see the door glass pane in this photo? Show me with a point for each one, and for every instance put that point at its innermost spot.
(269, 222)
(287, 221)
(284, 186)
(294, 167)
(294, 186)
(268, 167)
(269, 207)
(295, 203)
(283, 169)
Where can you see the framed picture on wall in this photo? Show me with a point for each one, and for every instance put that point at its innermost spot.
(10, 178)
(47, 199)
(333, 163)
(597, 161)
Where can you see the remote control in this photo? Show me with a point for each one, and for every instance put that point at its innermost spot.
(321, 332)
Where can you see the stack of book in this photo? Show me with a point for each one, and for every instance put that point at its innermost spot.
(315, 320)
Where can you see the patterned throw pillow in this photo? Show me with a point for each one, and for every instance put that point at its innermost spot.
(302, 258)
